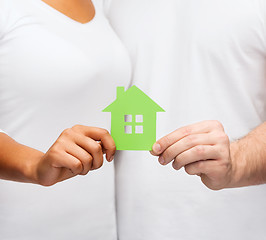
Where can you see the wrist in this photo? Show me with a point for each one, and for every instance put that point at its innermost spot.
(246, 166)
(239, 165)
(31, 165)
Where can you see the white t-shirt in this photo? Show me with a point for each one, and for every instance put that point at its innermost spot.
(199, 60)
(55, 73)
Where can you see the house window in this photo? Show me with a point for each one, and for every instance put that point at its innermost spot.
(139, 129)
(133, 124)
(128, 129)
(128, 118)
(139, 118)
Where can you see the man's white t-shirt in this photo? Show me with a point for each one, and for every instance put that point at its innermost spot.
(55, 73)
(199, 60)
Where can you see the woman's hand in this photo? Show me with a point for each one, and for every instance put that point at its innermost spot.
(203, 149)
(77, 151)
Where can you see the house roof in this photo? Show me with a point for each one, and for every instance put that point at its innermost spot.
(133, 100)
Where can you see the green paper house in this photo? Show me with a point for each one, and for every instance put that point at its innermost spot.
(133, 121)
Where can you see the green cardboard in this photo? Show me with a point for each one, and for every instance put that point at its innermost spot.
(133, 119)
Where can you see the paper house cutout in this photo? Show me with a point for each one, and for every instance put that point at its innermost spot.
(133, 121)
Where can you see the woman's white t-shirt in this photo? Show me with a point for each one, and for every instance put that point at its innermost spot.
(55, 73)
(199, 60)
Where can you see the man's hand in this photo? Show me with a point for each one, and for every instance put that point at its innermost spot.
(203, 149)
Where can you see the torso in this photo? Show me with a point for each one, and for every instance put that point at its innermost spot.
(200, 60)
(54, 73)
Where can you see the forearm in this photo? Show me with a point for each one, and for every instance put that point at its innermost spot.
(249, 159)
(18, 162)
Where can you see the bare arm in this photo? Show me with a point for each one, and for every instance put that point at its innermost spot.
(17, 162)
(76, 151)
(249, 158)
(204, 149)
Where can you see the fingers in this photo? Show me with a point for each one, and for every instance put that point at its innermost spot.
(86, 149)
(99, 134)
(195, 154)
(108, 145)
(83, 156)
(202, 127)
(202, 149)
(200, 141)
(57, 165)
(66, 160)
(210, 173)
(76, 151)
(92, 148)
(185, 144)
(200, 167)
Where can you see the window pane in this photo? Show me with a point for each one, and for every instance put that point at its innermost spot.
(139, 118)
(128, 129)
(128, 118)
(139, 129)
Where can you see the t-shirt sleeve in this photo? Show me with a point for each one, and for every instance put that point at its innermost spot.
(1, 18)
(263, 7)
(2, 23)
(1, 131)
(4, 12)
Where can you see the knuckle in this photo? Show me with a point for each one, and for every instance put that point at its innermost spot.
(84, 172)
(191, 140)
(200, 150)
(46, 183)
(189, 170)
(98, 164)
(87, 164)
(113, 148)
(200, 165)
(223, 138)
(186, 130)
(216, 124)
(77, 127)
(168, 155)
(77, 166)
(67, 132)
(104, 132)
(87, 160)
(166, 141)
(96, 148)
(53, 153)
(56, 148)
(60, 142)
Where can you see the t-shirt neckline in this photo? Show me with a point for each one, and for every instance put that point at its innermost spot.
(65, 17)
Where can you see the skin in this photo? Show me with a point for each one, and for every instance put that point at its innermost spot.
(81, 11)
(76, 151)
(204, 149)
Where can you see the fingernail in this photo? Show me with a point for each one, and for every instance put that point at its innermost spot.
(161, 160)
(111, 158)
(157, 147)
